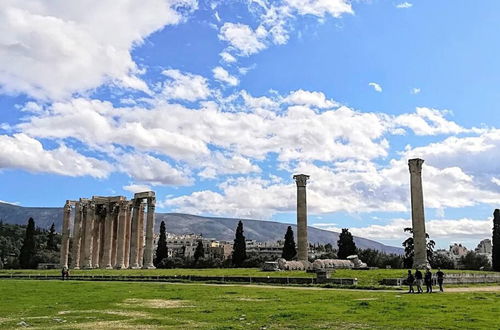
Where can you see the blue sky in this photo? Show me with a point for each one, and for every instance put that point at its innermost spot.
(216, 104)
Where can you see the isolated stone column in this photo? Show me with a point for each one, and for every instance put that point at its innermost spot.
(141, 234)
(302, 242)
(417, 213)
(75, 253)
(134, 237)
(89, 226)
(128, 221)
(83, 210)
(148, 249)
(108, 238)
(116, 209)
(120, 241)
(65, 235)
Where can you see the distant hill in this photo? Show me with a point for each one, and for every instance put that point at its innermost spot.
(211, 227)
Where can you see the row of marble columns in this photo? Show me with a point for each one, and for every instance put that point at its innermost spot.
(108, 234)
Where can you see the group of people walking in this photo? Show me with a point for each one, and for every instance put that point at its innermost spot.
(427, 278)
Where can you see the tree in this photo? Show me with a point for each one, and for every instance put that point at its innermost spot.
(475, 261)
(410, 249)
(289, 250)
(441, 260)
(161, 250)
(346, 244)
(496, 240)
(28, 250)
(199, 252)
(51, 239)
(239, 246)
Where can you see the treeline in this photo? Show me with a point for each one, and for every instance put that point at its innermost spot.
(25, 246)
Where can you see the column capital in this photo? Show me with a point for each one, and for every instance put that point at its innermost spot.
(301, 179)
(415, 165)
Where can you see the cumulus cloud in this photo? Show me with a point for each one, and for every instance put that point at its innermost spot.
(185, 86)
(228, 58)
(335, 8)
(316, 99)
(243, 38)
(376, 87)
(45, 45)
(220, 164)
(221, 74)
(427, 121)
(415, 90)
(136, 188)
(23, 152)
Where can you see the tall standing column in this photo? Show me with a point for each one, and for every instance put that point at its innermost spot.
(120, 241)
(89, 226)
(134, 237)
(128, 221)
(83, 210)
(65, 235)
(141, 234)
(116, 209)
(417, 213)
(108, 238)
(148, 249)
(75, 253)
(96, 239)
(302, 242)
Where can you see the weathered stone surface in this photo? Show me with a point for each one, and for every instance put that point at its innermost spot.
(302, 242)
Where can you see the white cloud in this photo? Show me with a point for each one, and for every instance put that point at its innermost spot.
(45, 45)
(427, 121)
(185, 86)
(228, 58)
(321, 8)
(376, 87)
(220, 164)
(222, 75)
(316, 99)
(404, 5)
(415, 90)
(243, 38)
(23, 152)
(136, 188)
(145, 168)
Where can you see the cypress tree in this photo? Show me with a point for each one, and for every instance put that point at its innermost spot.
(239, 246)
(346, 244)
(199, 252)
(51, 239)
(496, 240)
(289, 250)
(28, 249)
(161, 250)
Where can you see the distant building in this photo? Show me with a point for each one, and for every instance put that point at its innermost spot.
(265, 249)
(485, 248)
(184, 246)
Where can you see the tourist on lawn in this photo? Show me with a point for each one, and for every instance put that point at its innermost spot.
(410, 280)
(65, 273)
(428, 280)
(418, 280)
(440, 277)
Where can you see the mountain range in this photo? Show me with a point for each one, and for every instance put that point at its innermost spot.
(210, 227)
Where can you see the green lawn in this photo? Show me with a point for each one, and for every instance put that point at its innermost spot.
(365, 277)
(69, 305)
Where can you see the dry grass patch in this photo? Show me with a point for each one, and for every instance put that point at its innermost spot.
(155, 303)
(132, 314)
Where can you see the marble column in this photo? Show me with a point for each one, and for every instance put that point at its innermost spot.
(75, 253)
(83, 210)
(134, 237)
(302, 242)
(141, 234)
(417, 214)
(96, 239)
(116, 209)
(148, 249)
(108, 238)
(65, 235)
(127, 234)
(120, 241)
(102, 236)
(89, 227)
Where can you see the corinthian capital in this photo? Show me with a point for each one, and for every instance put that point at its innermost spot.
(415, 165)
(301, 179)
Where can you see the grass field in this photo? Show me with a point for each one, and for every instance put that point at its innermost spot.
(69, 305)
(365, 277)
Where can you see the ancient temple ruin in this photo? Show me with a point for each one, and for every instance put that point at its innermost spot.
(109, 232)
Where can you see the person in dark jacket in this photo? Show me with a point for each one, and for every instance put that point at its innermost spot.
(410, 280)
(418, 280)
(428, 280)
(440, 278)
